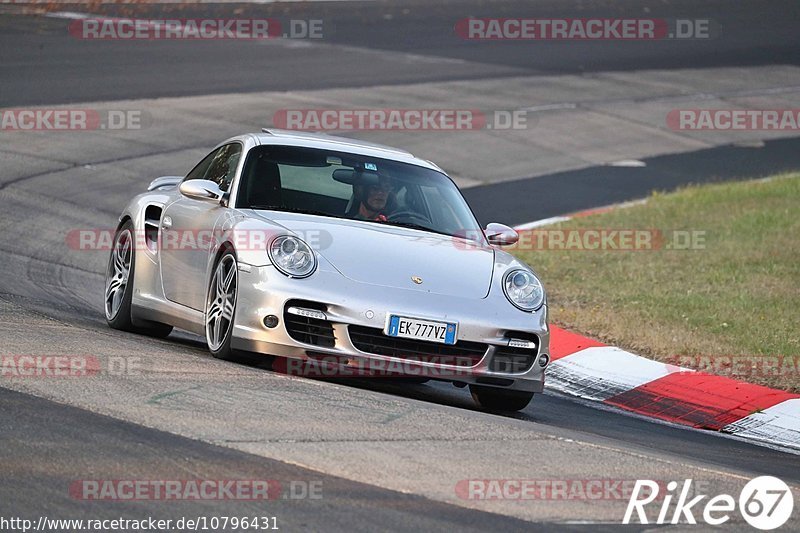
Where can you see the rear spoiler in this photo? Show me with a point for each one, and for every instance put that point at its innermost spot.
(164, 182)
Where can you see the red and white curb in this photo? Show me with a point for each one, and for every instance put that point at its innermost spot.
(590, 370)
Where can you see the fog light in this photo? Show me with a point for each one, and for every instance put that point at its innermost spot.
(543, 360)
(271, 321)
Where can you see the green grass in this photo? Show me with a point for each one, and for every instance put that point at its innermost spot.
(736, 296)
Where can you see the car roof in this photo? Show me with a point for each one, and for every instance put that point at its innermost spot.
(341, 144)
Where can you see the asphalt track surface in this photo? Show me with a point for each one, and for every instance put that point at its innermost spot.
(571, 191)
(44, 445)
(43, 64)
(75, 437)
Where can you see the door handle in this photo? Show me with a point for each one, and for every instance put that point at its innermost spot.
(166, 223)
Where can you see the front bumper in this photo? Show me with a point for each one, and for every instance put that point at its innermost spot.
(492, 321)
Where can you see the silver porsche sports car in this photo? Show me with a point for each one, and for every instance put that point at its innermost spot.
(337, 257)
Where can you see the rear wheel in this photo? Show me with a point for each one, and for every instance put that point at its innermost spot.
(119, 287)
(494, 399)
(221, 307)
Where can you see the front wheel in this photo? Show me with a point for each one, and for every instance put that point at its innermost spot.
(119, 287)
(494, 399)
(221, 307)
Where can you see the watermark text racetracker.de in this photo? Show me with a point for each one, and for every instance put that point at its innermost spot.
(46, 366)
(37, 119)
(740, 366)
(597, 239)
(116, 490)
(583, 29)
(597, 489)
(734, 119)
(102, 239)
(411, 366)
(130, 29)
(399, 119)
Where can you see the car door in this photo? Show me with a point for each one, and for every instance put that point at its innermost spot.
(187, 230)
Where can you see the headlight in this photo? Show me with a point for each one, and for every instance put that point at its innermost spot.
(523, 290)
(292, 256)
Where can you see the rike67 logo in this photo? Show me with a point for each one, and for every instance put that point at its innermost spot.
(765, 503)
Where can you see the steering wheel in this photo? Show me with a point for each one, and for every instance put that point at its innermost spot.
(409, 217)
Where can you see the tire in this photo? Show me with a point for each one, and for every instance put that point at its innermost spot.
(221, 298)
(494, 399)
(120, 277)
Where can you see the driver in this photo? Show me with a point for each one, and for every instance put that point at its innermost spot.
(374, 200)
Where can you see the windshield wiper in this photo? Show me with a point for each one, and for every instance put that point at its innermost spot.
(292, 210)
(412, 226)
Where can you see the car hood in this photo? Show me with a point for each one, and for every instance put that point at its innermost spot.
(392, 256)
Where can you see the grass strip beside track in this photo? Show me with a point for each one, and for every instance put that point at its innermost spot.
(716, 289)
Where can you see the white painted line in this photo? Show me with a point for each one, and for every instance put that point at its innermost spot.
(397, 56)
(629, 204)
(555, 220)
(779, 424)
(598, 373)
(549, 107)
(539, 223)
(632, 163)
(72, 15)
(750, 144)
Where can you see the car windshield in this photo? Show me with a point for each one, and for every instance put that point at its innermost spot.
(345, 185)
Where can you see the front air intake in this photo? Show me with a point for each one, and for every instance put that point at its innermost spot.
(517, 356)
(374, 341)
(306, 322)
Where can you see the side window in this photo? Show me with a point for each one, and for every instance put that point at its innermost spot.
(223, 166)
(219, 166)
(198, 172)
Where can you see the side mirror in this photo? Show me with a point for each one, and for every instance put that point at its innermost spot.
(201, 190)
(501, 235)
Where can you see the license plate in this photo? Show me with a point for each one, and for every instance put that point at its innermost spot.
(423, 330)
